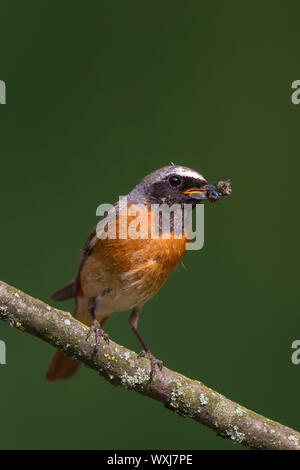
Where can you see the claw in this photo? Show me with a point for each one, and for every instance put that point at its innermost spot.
(96, 328)
(154, 362)
(105, 337)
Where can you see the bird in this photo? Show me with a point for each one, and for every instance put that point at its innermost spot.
(118, 274)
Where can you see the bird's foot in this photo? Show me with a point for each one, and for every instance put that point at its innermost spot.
(154, 362)
(96, 328)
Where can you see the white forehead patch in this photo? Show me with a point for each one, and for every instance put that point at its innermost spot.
(181, 171)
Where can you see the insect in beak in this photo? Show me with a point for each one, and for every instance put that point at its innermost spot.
(207, 191)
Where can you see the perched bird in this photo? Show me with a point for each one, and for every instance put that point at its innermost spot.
(119, 274)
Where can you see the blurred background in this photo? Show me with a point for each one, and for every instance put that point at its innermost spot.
(98, 95)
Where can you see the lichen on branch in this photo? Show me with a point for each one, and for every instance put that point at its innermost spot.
(121, 366)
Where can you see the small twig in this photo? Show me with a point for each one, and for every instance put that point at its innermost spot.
(121, 366)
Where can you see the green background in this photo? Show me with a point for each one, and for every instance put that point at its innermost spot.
(98, 95)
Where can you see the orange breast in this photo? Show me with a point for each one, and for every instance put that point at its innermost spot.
(130, 271)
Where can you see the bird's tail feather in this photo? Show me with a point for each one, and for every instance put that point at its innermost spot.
(66, 292)
(61, 367)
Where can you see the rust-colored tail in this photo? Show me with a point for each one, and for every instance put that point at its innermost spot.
(61, 367)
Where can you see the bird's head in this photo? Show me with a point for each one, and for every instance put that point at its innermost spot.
(174, 184)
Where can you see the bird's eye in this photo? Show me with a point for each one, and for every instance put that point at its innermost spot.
(174, 180)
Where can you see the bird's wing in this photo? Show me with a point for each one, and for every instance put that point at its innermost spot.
(72, 288)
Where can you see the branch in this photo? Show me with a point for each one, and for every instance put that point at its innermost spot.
(120, 366)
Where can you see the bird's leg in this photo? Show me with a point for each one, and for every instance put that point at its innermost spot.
(96, 327)
(133, 322)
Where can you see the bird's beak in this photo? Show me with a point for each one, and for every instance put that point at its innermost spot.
(208, 191)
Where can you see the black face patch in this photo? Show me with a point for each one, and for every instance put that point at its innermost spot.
(190, 182)
(165, 191)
